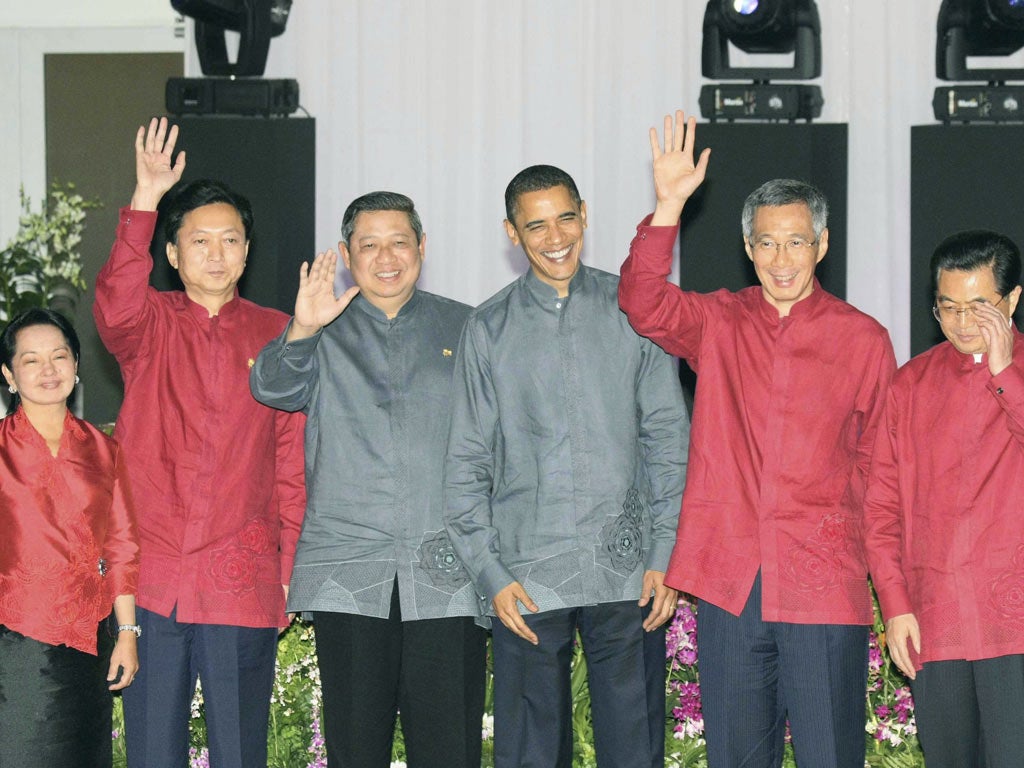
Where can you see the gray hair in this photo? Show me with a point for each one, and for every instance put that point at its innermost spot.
(778, 192)
(380, 201)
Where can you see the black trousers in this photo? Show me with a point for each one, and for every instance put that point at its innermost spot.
(55, 707)
(433, 670)
(626, 675)
(754, 674)
(970, 714)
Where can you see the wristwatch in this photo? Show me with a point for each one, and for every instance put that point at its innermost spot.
(130, 628)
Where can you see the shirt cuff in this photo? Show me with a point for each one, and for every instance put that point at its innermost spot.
(136, 226)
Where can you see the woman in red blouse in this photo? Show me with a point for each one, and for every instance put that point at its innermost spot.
(68, 551)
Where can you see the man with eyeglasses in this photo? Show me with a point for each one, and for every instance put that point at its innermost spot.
(790, 390)
(944, 514)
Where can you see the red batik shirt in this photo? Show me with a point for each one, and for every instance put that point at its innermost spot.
(784, 419)
(218, 478)
(67, 532)
(944, 514)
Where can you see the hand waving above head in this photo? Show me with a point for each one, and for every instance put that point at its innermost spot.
(676, 176)
(155, 171)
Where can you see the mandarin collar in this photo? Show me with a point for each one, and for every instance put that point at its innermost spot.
(201, 312)
(964, 361)
(802, 308)
(546, 293)
(378, 314)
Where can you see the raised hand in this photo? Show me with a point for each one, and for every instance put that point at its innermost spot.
(676, 176)
(315, 303)
(998, 336)
(155, 172)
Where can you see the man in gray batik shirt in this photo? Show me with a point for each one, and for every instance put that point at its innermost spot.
(391, 603)
(565, 469)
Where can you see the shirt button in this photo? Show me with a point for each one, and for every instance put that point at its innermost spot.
(999, 390)
(558, 305)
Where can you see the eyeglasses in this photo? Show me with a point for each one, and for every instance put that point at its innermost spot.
(955, 312)
(795, 245)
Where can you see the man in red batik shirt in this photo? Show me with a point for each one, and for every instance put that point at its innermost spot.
(944, 515)
(790, 389)
(217, 477)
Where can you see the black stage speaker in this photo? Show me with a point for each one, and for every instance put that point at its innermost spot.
(272, 161)
(961, 177)
(744, 156)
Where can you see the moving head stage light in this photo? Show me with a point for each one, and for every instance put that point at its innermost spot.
(238, 88)
(978, 28)
(761, 27)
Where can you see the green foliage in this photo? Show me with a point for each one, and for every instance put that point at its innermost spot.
(41, 266)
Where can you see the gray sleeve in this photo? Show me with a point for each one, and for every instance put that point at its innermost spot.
(285, 374)
(664, 442)
(469, 467)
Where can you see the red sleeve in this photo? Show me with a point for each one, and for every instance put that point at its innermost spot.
(883, 517)
(121, 548)
(291, 484)
(122, 286)
(670, 317)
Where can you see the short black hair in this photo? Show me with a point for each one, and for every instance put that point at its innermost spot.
(380, 201)
(27, 319)
(202, 192)
(976, 248)
(534, 179)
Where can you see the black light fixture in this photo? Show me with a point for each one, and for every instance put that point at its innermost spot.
(233, 87)
(761, 27)
(989, 28)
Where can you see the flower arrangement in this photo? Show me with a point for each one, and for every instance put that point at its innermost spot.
(296, 740)
(41, 266)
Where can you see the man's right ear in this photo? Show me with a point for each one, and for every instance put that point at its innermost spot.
(510, 230)
(172, 255)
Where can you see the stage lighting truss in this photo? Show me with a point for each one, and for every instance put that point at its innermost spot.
(761, 27)
(990, 28)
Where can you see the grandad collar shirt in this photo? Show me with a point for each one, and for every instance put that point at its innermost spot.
(785, 416)
(567, 454)
(377, 392)
(216, 475)
(945, 507)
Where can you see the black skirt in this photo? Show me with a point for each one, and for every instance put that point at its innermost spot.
(55, 708)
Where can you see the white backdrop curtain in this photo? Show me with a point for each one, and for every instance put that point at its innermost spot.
(445, 100)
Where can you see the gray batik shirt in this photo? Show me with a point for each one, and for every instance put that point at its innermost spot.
(567, 452)
(376, 393)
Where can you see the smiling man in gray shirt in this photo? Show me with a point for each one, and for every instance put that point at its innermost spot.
(392, 604)
(565, 470)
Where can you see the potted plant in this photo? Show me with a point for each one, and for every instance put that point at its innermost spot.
(41, 266)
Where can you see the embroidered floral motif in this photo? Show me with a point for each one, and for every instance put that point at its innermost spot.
(438, 560)
(814, 564)
(255, 535)
(234, 569)
(1007, 591)
(622, 539)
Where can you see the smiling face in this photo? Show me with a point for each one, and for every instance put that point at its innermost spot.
(384, 258)
(43, 367)
(786, 272)
(549, 227)
(210, 254)
(958, 292)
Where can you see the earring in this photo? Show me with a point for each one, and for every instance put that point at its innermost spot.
(12, 389)
(77, 379)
